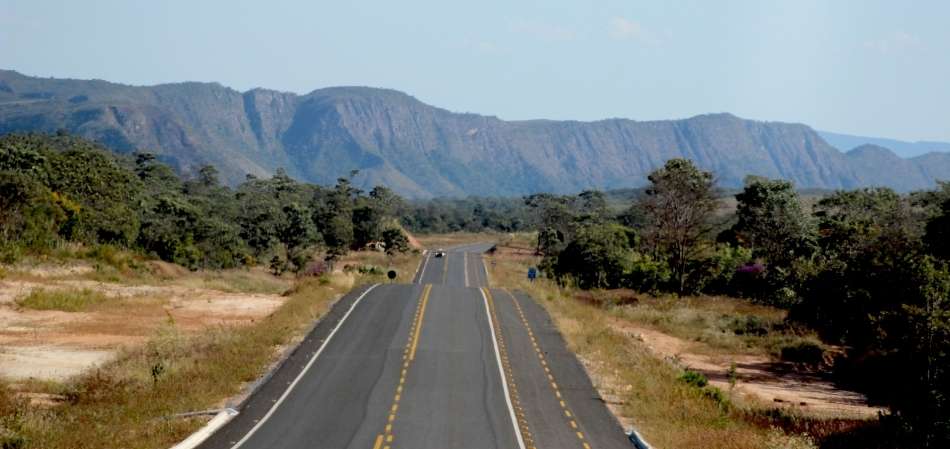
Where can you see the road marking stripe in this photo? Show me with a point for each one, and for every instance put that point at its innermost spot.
(465, 267)
(379, 442)
(408, 354)
(485, 266)
(415, 340)
(445, 267)
(304, 371)
(421, 271)
(554, 387)
(486, 295)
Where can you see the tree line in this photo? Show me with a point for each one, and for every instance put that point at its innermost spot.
(56, 189)
(867, 269)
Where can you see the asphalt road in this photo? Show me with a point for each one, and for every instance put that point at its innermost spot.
(441, 363)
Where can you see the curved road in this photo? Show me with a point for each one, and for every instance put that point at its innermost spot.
(441, 363)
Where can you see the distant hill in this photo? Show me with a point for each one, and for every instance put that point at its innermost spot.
(846, 142)
(423, 151)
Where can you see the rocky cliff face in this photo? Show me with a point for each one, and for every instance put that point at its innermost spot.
(421, 151)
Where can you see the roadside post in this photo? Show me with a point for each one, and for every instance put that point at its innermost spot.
(391, 275)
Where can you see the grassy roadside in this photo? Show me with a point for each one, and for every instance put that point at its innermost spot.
(128, 402)
(433, 241)
(670, 412)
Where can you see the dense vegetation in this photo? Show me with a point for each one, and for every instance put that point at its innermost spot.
(60, 189)
(867, 269)
(477, 214)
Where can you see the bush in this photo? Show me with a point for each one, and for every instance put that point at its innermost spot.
(314, 269)
(694, 378)
(804, 351)
(748, 325)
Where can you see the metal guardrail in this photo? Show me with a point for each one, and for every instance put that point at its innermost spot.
(637, 440)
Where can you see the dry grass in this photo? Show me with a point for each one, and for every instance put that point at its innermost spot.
(123, 403)
(405, 265)
(254, 280)
(645, 390)
(65, 300)
(723, 324)
(433, 241)
(128, 402)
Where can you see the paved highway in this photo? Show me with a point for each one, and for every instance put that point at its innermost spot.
(442, 363)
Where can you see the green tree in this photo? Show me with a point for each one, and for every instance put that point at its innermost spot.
(937, 235)
(298, 234)
(556, 222)
(771, 221)
(678, 206)
(395, 240)
(337, 219)
(597, 257)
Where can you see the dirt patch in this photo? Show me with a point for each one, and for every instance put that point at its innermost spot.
(413, 241)
(759, 380)
(54, 345)
(48, 362)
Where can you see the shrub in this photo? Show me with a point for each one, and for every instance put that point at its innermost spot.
(315, 269)
(747, 325)
(805, 351)
(694, 378)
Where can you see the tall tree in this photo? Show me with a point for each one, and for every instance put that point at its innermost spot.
(678, 205)
(771, 221)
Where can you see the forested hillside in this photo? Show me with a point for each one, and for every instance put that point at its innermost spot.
(423, 151)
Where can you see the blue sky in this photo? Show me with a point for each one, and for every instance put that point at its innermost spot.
(878, 68)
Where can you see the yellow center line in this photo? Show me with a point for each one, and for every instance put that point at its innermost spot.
(571, 420)
(415, 339)
(408, 354)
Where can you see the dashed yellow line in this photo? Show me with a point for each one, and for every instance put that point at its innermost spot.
(569, 416)
(509, 374)
(385, 439)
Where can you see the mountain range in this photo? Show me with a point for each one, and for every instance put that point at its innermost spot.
(845, 142)
(422, 151)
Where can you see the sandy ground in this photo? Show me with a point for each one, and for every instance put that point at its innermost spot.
(759, 380)
(54, 345)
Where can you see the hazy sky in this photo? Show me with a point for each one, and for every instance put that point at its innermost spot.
(878, 68)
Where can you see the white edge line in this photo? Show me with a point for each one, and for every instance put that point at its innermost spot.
(304, 371)
(422, 267)
(504, 381)
(485, 266)
(202, 434)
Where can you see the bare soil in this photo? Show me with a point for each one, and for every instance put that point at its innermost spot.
(760, 381)
(54, 345)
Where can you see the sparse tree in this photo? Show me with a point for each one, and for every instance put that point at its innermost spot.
(678, 205)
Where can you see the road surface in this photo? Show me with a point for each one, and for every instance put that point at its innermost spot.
(442, 363)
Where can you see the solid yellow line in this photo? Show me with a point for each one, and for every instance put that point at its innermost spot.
(422, 314)
(379, 442)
